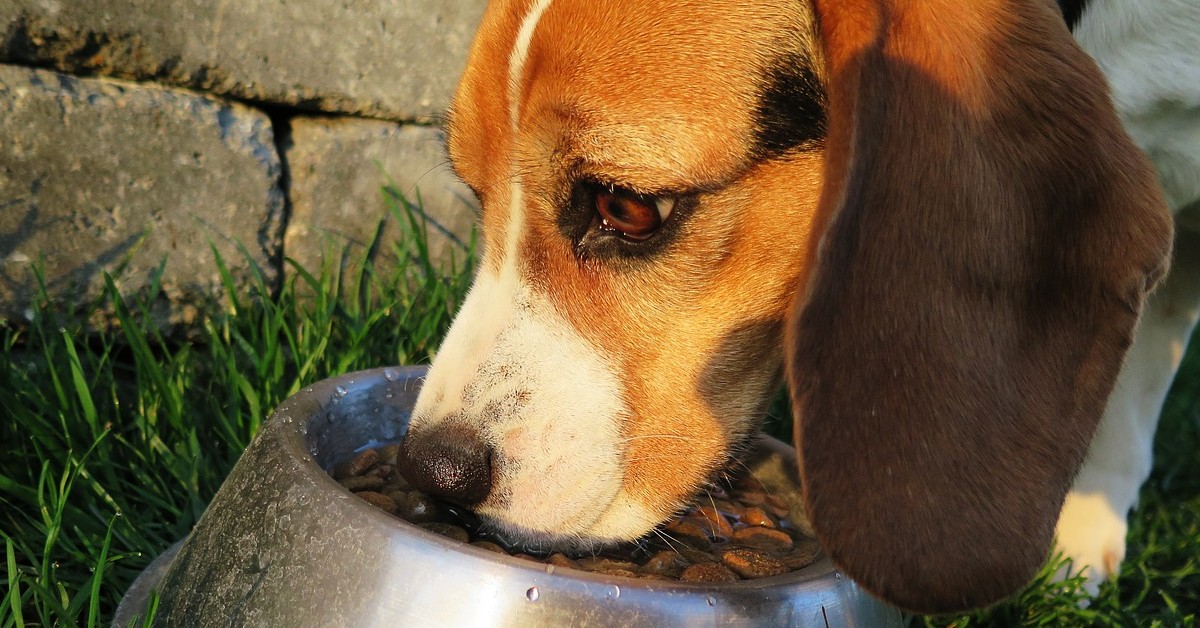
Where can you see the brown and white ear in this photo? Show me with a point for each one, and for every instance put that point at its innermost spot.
(989, 234)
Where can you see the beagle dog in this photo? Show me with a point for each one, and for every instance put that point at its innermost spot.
(925, 216)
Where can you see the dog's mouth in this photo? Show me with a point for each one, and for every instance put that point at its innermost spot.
(493, 524)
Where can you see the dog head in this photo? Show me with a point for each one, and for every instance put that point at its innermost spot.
(928, 210)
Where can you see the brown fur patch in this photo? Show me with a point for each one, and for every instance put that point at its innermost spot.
(989, 235)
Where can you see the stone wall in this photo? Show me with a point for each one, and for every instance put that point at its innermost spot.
(138, 135)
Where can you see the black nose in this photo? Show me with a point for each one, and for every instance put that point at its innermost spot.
(450, 462)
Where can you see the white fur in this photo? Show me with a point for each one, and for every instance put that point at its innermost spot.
(1150, 52)
(548, 402)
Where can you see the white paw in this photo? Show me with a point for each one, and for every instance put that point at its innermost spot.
(1091, 532)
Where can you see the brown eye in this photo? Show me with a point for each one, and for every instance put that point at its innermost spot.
(635, 216)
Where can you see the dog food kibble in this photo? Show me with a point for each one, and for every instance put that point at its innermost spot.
(740, 533)
(752, 564)
(708, 572)
(447, 530)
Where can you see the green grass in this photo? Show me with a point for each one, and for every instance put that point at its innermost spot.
(114, 442)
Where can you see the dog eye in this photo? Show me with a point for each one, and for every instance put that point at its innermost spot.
(635, 216)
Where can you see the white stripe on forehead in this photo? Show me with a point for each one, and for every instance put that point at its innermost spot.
(516, 59)
(516, 70)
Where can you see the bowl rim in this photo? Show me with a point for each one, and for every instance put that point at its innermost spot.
(810, 595)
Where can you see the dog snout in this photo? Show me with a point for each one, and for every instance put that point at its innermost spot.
(450, 462)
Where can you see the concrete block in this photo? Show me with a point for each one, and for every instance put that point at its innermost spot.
(98, 175)
(393, 59)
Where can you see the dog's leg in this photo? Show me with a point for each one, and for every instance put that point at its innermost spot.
(1092, 526)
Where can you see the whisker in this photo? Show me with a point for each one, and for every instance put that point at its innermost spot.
(667, 538)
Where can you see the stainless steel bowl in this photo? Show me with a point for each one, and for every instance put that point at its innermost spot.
(283, 544)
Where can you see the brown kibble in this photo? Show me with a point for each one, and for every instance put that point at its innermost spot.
(752, 564)
(388, 454)
(362, 483)
(604, 565)
(447, 530)
(397, 483)
(624, 573)
(708, 572)
(357, 465)
(383, 471)
(801, 556)
(419, 508)
(696, 557)
(689, 534)
(397, 496)
(379, 500)
(729, 508)
(489, 546)
(756, 516)
(763, 539)
(716, 523)
(665, 563)
(561, 560)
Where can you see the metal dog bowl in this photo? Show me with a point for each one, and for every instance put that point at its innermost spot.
(283, 544)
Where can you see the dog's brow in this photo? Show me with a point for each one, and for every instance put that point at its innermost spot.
(668, 177)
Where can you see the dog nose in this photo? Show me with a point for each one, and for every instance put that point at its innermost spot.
(450, 462)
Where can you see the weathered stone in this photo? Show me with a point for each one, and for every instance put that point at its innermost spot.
(338, 170)
(98, 175)
(397, 60)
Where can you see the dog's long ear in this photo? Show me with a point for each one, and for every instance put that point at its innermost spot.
(988, 236)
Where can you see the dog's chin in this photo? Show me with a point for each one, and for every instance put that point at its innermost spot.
(520, 538)
(623, 520)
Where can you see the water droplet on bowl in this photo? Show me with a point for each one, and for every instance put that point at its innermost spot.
(340, 391)
(712, 601)
(303, 429)
(549, 569)
(532, 594)
(612, 592)
(391, 375)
